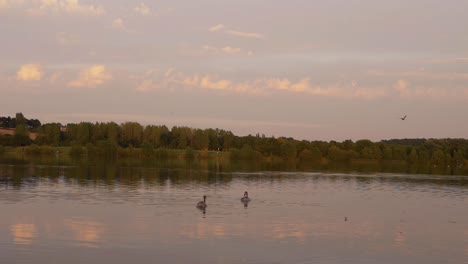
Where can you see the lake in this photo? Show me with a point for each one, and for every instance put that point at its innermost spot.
(55, 211)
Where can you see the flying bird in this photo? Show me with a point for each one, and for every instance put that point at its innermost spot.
(403, 118)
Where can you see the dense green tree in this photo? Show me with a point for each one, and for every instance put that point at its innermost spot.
(337, 154)
(21, 136)
(312, 155)
(49, 134)
(459, 157)
(112, 134)
(213, 138)
(438, 157)
(131, 134)
(201, 140)
(288, 150)
(228, 140)
(387, 153)
(147, 150)
(20, 120)
(398, 153)
(84, 131)
(363, 144)
(413, 156)
(423, 156)
(152, 136)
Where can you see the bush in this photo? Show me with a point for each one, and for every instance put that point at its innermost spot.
(189, 154)
(247, 152)
(106, 148)
(234, 154)
(161, 153)
(76, 151)
(39, 150)
(148, 150)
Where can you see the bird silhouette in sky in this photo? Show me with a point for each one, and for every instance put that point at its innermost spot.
(403, 118)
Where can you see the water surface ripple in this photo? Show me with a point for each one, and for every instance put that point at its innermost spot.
(121, 214)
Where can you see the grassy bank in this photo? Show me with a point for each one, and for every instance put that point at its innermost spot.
(117, 152)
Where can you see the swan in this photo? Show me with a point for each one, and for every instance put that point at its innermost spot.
(202, 204)
(246, 198)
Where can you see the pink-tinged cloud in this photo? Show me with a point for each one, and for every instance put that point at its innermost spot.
(71, 7)
(29, 72)
(143, 10)
(245, 34)
(172, 79)
(147, 85)
(237, 33)
(216, 28)
(118, 24)
(407, 91)
(402, 88)
(208, 83)
(227, 50)
(231, 50)
(4, 4)
(91, 77)
(421, 75)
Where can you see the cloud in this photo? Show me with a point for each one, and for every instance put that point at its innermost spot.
(169, 72)
(222, 28)
(92, 77)
(207, 83)
(66, 6)
(349, 90)
(4, 4)
(29, 72)
(229, 50)
(451, 60)
(56, 77)
(143, 9)
(147, 85)
(407, 91)
(421, 75)
(118, 24)
(172, 79)
(216, 28)
(245, 34)
(402, 88)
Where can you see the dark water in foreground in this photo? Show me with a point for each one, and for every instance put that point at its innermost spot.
(98, 212)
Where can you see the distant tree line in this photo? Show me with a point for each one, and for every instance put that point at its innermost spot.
(10, 122)
(109, 138)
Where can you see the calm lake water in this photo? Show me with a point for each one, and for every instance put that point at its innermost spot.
(136, 212)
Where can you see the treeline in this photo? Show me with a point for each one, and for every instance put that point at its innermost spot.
(11, 122)
(133, 139)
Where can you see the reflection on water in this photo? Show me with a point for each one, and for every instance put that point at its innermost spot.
(86, 233)
(23, 233)
(116, 212)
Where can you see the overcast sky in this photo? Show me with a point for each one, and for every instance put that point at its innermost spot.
(325, 70)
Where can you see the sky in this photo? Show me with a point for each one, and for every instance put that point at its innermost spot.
(308, 69)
